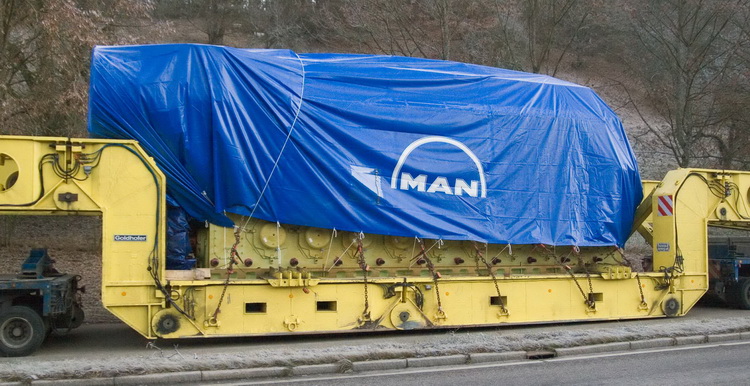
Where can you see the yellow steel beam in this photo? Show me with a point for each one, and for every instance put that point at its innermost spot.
(114, 179)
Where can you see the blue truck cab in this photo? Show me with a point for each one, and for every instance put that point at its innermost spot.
(35, 302)
(729, 270)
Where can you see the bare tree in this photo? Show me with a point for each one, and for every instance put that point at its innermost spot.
(728, 133)
(537, 35)
(218, 17)
(44, 56)
(732, 133)
(214, 18)
(445, 14)
(285, 23)
(428, 28)
(388, 26)
(688, 52)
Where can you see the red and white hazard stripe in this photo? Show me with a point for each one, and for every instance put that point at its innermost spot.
(665, 205)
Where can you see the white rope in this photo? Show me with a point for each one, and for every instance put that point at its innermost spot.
(438, 242)
(330, 245)
(286, 141)
(278, 242)
(510, 251)
(342, 255)
(225, 243)
(413, 248)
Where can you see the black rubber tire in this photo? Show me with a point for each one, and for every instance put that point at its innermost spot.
(167, 324)
(671, 307)
(22, 331)
(742, 296)
(78, 317)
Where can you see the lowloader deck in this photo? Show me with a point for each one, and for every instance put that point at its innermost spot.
(263, 278)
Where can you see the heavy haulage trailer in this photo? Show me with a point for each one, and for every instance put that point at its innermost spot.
(309, 217)
(266, 278)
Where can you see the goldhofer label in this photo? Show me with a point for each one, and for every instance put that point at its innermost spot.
(130, 237)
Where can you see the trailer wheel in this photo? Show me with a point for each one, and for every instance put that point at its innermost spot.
(78, 317)
(743, 294)
(671, 307)
(22, 331)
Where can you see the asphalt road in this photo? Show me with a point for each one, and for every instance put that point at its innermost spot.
(708, 364)
(115, 340)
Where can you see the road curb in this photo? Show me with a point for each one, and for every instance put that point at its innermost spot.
(496, 356)
(692, 339)
(259, 372)
(447, 360)
(327, 368)
(82, 382)
(379, 365)
(592, 349)
(651, 343)
(724, 337)
(164, 378)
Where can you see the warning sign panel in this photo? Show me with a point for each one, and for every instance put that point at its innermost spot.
(665, 205)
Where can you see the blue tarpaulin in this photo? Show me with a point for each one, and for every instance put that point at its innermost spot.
(379, 144)
(178, 240)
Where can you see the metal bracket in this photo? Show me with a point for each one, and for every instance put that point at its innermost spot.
(364, 319)
(616, 272)
(212, 322)
(292, 322)
(291, 279)
(67, 197)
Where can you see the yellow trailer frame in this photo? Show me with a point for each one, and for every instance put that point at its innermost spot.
(266, 278)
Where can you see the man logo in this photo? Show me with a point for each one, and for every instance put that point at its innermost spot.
(405, 181)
